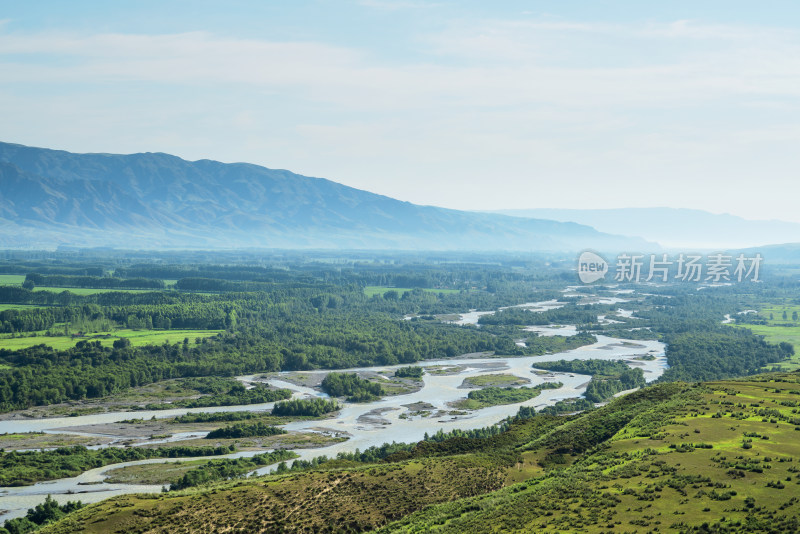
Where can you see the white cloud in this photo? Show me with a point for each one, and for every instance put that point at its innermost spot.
(522, 67)
(394, 5)
(536, 108)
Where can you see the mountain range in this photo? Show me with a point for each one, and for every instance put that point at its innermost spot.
(675, 227)
(155, 201)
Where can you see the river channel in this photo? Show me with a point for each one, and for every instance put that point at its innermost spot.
(368, 424)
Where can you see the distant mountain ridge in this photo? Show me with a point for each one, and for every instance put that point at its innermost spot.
(154, 200)
(675, 227)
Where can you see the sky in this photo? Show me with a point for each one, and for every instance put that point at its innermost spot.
(468, 105)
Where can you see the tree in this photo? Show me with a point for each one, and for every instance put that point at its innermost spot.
(20, 525)
(122, 343)
(43, 513)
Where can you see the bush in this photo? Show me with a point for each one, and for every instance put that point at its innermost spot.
(352, 386)
(409, 372)
(243, 430)
(310, 407)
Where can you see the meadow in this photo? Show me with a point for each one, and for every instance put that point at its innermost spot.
(138, 338)
(773, 313)
(778, 330)
(90, 290)
(18, 279)
(4, 307)
(777, 334)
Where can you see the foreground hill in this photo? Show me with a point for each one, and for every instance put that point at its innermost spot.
(52, 197)
(713, 457)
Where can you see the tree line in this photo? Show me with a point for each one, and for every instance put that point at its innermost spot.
(99, 282)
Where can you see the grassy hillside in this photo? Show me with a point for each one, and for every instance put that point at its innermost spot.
(672, 458)
(723, 455)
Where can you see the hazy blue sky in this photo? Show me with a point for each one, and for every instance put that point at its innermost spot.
(472, 105)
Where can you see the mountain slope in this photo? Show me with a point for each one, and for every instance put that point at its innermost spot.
(673, 227)
(158, 200)
(89, 203)
(706, 457)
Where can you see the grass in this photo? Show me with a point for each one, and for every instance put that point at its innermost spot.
(138, 338)
(18, 279)
(40, 440)
(311, 502)
(653, 475)
(4, 307)
(669, 458)
(777, 330)
(91, 290)
(62, 411)
(380, 290)
(397, 387)
(11, 279)
(292, 440)
(133, 399)
(777, 334)
(165, 390)
(157, 473)
(156, 337)
(394, 385)
(777, 312)
(29, 467)
(494, 380)
(494, 396)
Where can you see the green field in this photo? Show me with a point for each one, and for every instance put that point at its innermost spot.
(4, 307)
(91, 290)
(17, 279)
(11, 279)
(776, 331)
(380, 290)
(776, 334)
(138, 338)
(777, 312)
